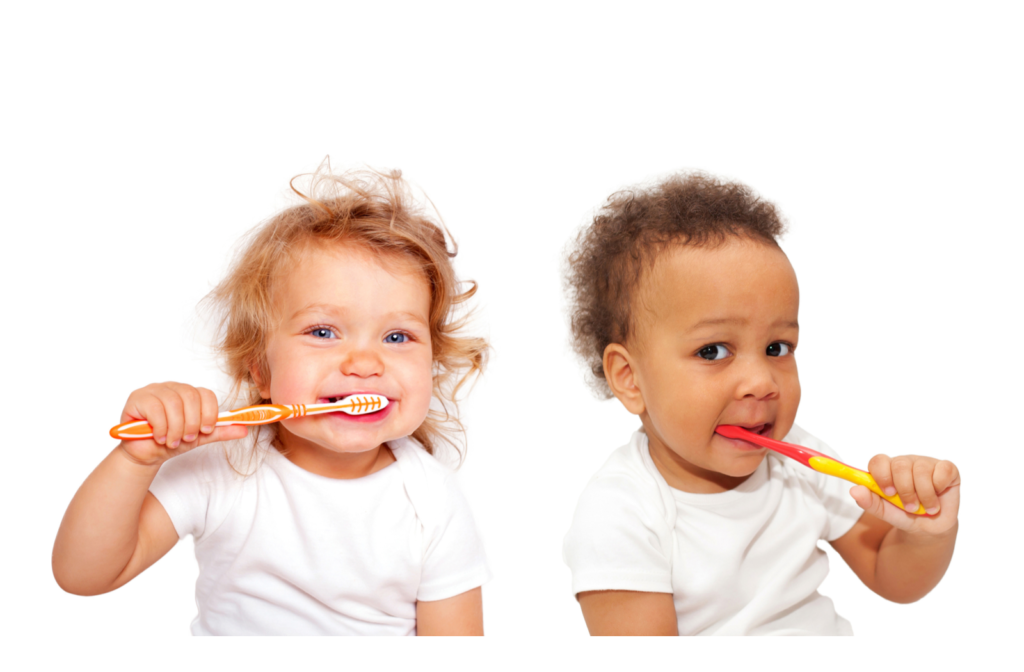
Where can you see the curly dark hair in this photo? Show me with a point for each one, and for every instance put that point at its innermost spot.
(608, 258)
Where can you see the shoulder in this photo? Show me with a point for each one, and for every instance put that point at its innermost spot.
(423, 474)
(626, 499)
(198, 487)
(205, 464)
(624, 481)
(621, 533)
(431, 486)
(412, 455)
(830, 493)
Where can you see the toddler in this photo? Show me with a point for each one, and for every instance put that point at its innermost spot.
(685, 309)
(325, 524)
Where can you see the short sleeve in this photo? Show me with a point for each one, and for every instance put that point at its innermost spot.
(617, 539)
(454, 560)
(840, 509)
(182, 486)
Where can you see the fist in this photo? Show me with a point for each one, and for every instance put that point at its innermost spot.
(182, 417)
(932, 483)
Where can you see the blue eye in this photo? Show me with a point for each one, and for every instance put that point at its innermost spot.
(322, 332)
(778, 350)
(396, 337)
(713, 352)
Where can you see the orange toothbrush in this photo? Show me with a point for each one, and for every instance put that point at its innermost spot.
(356, 404)
(814, 460)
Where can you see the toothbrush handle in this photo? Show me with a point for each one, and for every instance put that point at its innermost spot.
(250, 415)
(827, 465)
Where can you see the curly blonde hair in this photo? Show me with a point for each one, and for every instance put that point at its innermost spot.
(374, 211)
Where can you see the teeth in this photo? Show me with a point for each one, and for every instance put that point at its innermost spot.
(360, 404)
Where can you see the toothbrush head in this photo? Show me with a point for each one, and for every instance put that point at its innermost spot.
(359, 404)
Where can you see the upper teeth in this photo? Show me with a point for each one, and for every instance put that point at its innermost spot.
(359, 404)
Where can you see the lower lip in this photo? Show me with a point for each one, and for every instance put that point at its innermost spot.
(740, 444)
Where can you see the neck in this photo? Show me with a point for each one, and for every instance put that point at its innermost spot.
(331, 464)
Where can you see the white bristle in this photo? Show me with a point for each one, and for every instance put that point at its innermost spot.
(361, 404)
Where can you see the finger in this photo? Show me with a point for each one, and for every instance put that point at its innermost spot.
(903, 479)
(225, 433)
(878, 507)
(143, 404)
(175, 411)
(210, 410)
(862, 496)
(881, 471)
(151, 409)
(192, 409)
(945, 476)
(923, 470)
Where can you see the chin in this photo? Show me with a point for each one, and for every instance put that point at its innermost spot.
(336, 443)
(745, 467)
(354, 447)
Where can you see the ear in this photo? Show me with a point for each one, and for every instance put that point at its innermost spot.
(257, 377)
(622, 378)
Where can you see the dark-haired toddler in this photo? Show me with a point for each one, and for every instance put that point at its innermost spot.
(685, 309)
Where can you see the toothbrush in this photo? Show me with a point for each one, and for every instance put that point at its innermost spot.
(814, 460)
(356, 404)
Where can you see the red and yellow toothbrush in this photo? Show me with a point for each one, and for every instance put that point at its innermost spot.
(814, 460)
(356, 404)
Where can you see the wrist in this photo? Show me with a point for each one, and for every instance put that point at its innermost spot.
(151, 465)
(926, 538)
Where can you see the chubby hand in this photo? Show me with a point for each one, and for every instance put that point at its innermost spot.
(182, 417)
(935, 484)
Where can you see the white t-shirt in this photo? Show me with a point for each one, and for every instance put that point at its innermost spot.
(741, 562)
(285, 551)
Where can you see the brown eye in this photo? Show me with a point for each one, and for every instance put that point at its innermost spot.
(713, 352)
(778, 350)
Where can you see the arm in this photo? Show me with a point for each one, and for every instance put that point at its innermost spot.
(114, 528)
(624, 612)
(459, 615)
(896, 554)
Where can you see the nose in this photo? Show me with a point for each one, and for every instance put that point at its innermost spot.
(756, 380)
(362, 362)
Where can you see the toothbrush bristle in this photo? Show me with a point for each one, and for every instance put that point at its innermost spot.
(361, 404)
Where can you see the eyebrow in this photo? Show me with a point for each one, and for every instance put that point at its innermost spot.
(328, 308)
(739, 320)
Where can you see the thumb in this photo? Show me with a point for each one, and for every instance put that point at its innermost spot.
(878, 507)
(225, 433)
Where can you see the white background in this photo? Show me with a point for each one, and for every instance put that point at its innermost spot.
(139, 144)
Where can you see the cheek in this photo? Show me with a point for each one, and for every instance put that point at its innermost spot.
(685, 402)
(290, 377)
(790, 395)
(419, 380)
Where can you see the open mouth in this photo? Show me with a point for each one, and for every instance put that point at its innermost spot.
(763, 429)
(363, 413)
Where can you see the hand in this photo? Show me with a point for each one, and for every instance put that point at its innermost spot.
(182, 418)
(935, 484)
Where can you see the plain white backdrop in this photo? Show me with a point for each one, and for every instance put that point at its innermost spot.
(140, 142)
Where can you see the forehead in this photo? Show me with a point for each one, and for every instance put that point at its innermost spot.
(348, 275)
(740, 280)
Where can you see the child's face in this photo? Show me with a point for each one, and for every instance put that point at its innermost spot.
(716, 331)
(349, 322)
